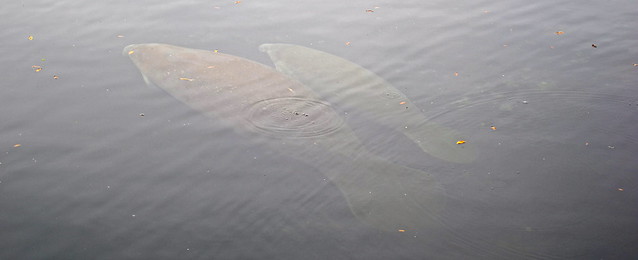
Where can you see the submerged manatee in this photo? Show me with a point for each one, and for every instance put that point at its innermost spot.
(363, 93)
(267, 106)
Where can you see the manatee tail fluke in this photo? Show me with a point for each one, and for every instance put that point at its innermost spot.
(388, 196)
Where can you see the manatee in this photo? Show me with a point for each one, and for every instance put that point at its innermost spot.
(271, 108)
(361, 92)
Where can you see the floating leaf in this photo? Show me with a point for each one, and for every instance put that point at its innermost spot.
(560, 33)
(401, 230)
(402, 102)
(348, 43)
(186, 79)
(131, 52)
(55, 77)
(460, 142)
(237, 2)
(493, 127)
(621, 189)
(17, 145)
(30, 37)
(36, 68)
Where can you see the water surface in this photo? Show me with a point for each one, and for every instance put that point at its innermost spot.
(109, 168)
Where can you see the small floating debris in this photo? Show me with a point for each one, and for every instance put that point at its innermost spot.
(16, 145)
(525, 102)
(594, 45)
(141, 114)
(55, 77)
(186, 79)
(401, 230)
(348, 43)
(460, 142)
(30, 37)
(36, 68)
(560, 33)
(493, 127)
(621, 189)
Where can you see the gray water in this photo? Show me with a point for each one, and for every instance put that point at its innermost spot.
(97, 165)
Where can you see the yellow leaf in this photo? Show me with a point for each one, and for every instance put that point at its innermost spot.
(130, 52)
(460, 142)
(17, 145)
(186, 79)
(401, 230)
(30, 38)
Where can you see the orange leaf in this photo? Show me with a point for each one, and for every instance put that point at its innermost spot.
(403, 102)
(493, 127)
(560, 32)
(17, 145)
(460, 142)
(401, 230)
